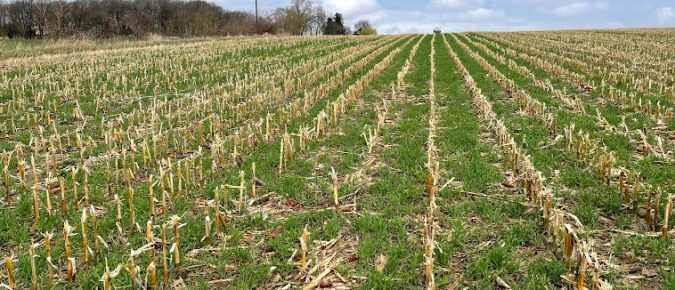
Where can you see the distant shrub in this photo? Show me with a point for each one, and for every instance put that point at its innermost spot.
(369, 31)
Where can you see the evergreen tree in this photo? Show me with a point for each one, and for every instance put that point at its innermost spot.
(335, 25)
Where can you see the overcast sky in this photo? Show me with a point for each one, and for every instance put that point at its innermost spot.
(405, 16)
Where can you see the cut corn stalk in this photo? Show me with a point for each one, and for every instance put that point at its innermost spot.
(335, 189)
(303, 245)
(9, 264)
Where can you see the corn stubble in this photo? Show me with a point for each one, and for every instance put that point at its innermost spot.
(164, 144)
(534, 188)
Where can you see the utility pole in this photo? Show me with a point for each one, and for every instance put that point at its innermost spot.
(257, 29)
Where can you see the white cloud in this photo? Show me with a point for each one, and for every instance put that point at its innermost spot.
(544, 2)
(351, 7)
(665, 14)
(456, 4)
(424, 21)
(578, 8)
(400, 16)
(481, 15)
(353, 10)
(373, 17)
(572, 9)
(427, 26)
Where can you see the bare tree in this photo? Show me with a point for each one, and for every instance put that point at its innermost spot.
(41, 13)
(318, 20)
(362, 24)
(4, 19)
(111, 18)
(22, 18)
(59, 13)
(297, 18)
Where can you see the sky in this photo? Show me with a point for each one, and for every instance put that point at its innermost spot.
(422, 16)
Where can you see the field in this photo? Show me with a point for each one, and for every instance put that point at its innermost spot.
(530, 160)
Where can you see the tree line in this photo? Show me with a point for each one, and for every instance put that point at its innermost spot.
(139, 18)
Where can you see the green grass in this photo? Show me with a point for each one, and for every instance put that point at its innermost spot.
(485, 228)
(576, 185)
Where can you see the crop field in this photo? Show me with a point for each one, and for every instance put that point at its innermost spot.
(529, 160)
